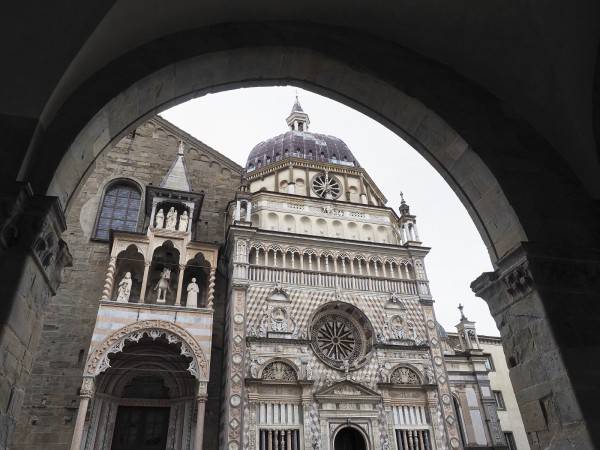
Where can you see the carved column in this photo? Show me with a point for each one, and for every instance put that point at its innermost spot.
(238, 208)
(211, 288)
(144, 281)
(249, 211)
(85, 394)
(200, 410)
(545, 303)
(110, 279)
(179, 285)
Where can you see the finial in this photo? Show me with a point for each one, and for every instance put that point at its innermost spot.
(402, 196)
(460, 308)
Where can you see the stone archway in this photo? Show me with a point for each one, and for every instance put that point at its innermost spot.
(490, 160)
(450, 154)
(98, 361)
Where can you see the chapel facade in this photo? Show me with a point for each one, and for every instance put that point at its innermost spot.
(331, 338)
(276, 306)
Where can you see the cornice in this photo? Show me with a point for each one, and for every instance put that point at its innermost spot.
(284, 163)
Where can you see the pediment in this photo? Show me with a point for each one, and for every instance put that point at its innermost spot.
(346, 391)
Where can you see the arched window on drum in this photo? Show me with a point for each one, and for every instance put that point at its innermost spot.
(119, 210)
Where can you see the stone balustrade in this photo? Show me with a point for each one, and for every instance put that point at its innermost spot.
(333, 280)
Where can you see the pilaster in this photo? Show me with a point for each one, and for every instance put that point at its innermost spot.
(33, 258)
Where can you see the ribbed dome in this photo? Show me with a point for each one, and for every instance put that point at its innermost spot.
(301, 144)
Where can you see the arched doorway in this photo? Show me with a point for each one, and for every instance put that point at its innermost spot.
(145, 400)
(349, 438)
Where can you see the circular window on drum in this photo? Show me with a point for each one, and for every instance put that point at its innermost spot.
(341, 336)
(327, 186)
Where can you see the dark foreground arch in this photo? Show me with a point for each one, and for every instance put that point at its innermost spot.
(514, 185)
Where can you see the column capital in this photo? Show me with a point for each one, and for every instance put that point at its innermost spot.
(544, 298)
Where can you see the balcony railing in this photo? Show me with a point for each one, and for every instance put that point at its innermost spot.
(333, 280)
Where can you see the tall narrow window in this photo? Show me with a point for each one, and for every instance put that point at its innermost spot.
(510, 440)
(499, 400)
(120, 209)
(461, 423)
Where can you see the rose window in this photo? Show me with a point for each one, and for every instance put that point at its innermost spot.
(326, 186)
(341, 337)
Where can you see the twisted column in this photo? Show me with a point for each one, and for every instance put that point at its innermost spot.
(110, 279)
(211, 288)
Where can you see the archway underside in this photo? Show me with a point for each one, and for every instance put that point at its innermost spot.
(468, 139)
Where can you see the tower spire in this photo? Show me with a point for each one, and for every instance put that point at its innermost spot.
(177, 178)
(297, 120)
(408, 223)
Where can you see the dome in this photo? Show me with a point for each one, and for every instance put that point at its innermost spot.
(301, 144)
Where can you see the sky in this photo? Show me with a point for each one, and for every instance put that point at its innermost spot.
(233, 122)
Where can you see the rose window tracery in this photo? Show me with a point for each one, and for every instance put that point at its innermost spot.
(326, 186)
(341, 337)
(404, 375)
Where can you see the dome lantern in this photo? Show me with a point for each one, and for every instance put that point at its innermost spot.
(298, 120)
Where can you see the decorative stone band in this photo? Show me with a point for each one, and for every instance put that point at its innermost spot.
(99, 362)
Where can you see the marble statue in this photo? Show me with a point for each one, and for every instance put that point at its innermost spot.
(171, 222)
(381, 373)
(183, 221)
(254, 366)
(429, 376)
(162, 286)
(160, 219)
(346, 366)
(192, 294)
(124, 288)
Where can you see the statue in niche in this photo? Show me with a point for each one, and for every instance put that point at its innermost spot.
(429, 376)
(163, 285)
(160, 219)
(171, 221)
(192, 294)
(381, 373)
(183, 221)
(124, 288)
(254, 366)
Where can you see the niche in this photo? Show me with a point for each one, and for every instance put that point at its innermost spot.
(163, 274)
(132, 261)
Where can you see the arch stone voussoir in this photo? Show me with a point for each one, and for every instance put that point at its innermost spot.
(99, 362)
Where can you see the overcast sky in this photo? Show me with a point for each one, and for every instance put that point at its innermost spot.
(233, 122)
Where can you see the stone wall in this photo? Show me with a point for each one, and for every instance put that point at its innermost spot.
(51, 399)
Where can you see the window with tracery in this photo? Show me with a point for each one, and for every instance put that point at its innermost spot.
(279, 371)
(120, 209)
(404, 375)
(327, 186)
(341, 338)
